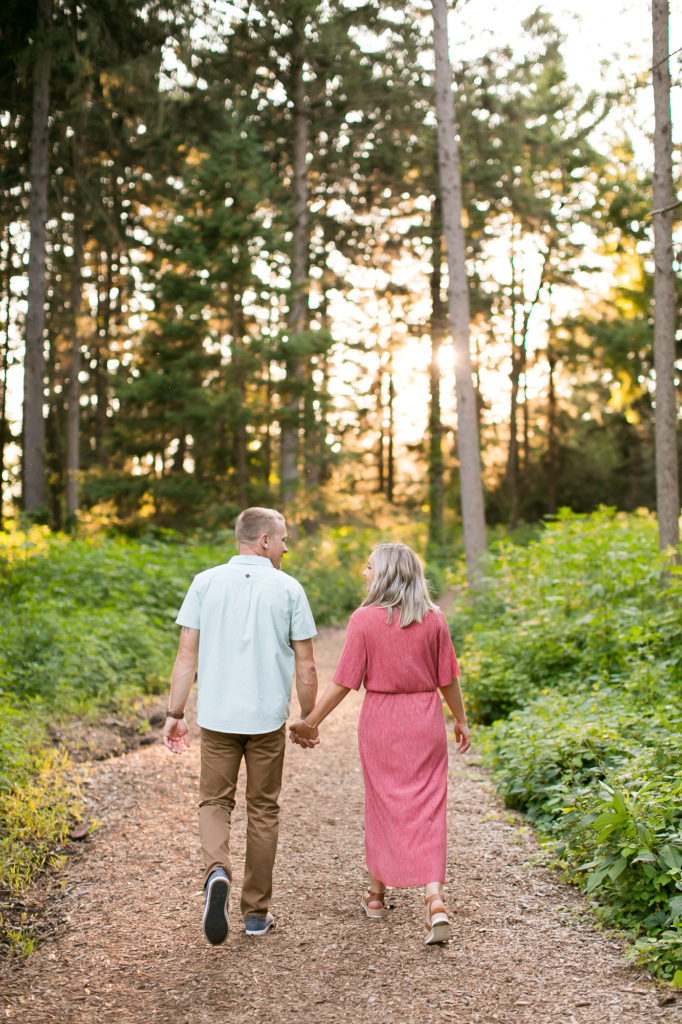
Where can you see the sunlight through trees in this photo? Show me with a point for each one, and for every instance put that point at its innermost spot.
(226, 256)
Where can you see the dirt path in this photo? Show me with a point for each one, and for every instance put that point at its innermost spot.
(127, 944)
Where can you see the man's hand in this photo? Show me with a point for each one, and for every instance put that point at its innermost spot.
(176, 730)
(303, 734)
(176, 735)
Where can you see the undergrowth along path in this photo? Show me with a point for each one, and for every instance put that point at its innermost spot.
(127, 945)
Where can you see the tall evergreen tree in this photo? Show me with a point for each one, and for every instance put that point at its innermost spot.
(437, 331)
(473, 514)
(667, 484)
(34, 364)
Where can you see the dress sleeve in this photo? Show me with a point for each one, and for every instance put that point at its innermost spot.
(447, 660)
(352, 666)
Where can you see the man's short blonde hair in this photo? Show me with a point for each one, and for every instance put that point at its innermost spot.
(252, 523)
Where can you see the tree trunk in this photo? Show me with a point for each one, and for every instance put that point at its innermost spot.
(73, 376)
(519, 367)
(298, 306)
(390, 453)
(552, 448)
(237, 316)
(315, 426)
(436, 468)
(473, 515)
(516, 365)
(525, 472)
(313, 436)
(4, 432)
(267, 435)
(381, 443)
(34, 366)
(667, 485)
(513, 454)
(103, 341)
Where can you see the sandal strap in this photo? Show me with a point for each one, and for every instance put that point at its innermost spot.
(434, 896)
(441, 912)
(375, 897)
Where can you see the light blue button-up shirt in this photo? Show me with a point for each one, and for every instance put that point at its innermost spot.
(247, 613)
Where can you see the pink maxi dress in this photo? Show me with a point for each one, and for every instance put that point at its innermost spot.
(402, 740)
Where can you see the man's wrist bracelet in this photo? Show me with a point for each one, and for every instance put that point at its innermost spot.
(174, 714)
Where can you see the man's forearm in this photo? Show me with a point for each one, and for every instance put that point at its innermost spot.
(306, 686)
(306, 674)
(182, 677)
(184, 669)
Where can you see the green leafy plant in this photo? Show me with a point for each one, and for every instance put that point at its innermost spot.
(572, 650)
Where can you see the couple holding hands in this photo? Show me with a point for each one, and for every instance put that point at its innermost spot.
(249, 627)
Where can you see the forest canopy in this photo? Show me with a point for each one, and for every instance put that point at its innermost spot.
(244, 271)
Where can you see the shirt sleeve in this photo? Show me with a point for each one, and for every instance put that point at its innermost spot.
(352, 666)
(302, 622)
(447, 660)
(190, 610)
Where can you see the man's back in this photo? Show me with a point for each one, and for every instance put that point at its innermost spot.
(245, 626)
(247, 612)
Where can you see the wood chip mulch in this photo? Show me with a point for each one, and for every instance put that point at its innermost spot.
(126, 944)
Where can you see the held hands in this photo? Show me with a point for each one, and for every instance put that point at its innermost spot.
(176, 735)
(303, 734)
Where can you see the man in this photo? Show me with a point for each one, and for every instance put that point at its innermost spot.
(250, 625)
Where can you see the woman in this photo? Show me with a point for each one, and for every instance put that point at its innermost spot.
(398, 644)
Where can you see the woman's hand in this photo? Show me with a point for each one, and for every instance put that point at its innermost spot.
(306, 735)
(462, 737)
(303, 734)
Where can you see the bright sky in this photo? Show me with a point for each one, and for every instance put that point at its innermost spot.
(615, 33)
(606, 41)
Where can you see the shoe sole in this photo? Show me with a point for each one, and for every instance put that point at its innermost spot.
(260, 932)
(440, 930)
(216, 916)
(372, 913)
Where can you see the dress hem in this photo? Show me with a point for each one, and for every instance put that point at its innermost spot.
(406, 885)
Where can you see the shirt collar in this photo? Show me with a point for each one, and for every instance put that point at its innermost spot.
(251, 560)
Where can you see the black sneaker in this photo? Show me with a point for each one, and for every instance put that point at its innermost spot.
(216, 916)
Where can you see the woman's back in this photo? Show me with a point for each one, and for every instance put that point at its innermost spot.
(390, 659)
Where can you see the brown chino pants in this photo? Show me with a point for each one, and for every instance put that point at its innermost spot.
(221, 757)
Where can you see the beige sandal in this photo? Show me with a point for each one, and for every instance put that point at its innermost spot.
(437, 923)
(374, 897)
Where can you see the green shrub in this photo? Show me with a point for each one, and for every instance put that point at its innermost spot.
(603, 782)
(577, 607)
(574, 640)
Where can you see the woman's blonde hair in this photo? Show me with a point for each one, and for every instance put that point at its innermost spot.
(399, 582)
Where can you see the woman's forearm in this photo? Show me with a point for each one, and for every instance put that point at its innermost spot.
(452, 695)
(331, 698)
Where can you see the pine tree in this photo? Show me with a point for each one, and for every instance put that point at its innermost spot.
(473, 515)
(34, 364)
(667, 485)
